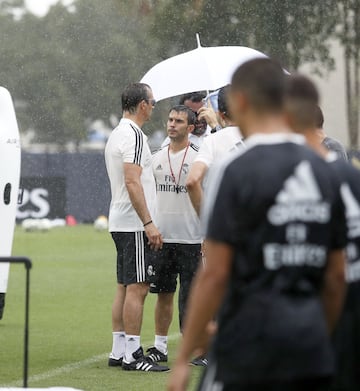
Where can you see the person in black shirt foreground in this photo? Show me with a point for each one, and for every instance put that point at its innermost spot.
(302, 100)
(275, 234)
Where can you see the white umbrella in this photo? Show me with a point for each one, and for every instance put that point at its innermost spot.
(204, 68)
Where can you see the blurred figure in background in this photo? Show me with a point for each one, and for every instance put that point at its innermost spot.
(302, 113)
(329, 143)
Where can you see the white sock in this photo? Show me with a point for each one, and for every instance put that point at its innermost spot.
(118, 346)
(161, 343)
(132, 345)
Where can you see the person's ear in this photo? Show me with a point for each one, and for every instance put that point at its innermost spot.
(190, 128)
(142, 105)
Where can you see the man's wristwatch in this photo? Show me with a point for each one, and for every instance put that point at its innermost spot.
(215, 129)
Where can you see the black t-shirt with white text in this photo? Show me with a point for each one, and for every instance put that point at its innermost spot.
(277, 204)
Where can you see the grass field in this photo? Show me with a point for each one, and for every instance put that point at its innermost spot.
(72, 283)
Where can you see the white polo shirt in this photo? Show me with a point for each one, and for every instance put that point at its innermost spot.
(177, 219)
(128, 144)
(218, 144)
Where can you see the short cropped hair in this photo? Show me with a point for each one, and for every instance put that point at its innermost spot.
(222, 100)
(193, 97)
(262, 80)
(191, 116)
(133, 95)
(302, 100)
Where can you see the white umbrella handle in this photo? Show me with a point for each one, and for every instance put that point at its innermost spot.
(198, 40)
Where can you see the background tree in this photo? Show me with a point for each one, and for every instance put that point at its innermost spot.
(293, 32)
(69, 68)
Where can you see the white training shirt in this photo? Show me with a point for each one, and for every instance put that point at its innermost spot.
(128, 144)
(218, 144)
(177, 219)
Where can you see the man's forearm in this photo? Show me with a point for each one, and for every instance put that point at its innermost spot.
(137, 198)
(196, 195)
(194, 184)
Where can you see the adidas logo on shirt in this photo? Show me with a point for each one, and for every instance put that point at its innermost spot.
(159, 167)
(301, 186)
(299, 199)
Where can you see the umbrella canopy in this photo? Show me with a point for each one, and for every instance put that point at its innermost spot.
(204, 68)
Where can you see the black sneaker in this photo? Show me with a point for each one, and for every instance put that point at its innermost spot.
(143, 363)
(155, 355)
(200, 361)
(114, 362)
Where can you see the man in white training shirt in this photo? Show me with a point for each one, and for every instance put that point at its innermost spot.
(178, 224)
(132, 211)
(213, 148)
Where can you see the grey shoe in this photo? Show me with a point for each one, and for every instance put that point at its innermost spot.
(200, 361)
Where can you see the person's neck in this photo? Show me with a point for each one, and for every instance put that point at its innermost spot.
(320, 133)
(314, 142)
(176, 146)
(135, 118)
(265, 124)
(229, 123)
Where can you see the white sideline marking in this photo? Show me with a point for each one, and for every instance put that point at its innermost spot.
(73, 366)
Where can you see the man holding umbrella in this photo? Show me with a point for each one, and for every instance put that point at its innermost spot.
(206, 121)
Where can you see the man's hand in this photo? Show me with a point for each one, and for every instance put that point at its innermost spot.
(209, 115)
(155, 240)
(179, 377)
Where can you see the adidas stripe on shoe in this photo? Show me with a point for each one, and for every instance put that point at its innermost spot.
(155, 355)
(143, 363)
(199, 362)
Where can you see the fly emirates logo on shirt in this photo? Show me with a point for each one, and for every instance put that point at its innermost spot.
(297, 204)
(168, 184)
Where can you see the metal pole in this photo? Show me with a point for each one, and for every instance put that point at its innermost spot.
(27, 263)
(26, 332)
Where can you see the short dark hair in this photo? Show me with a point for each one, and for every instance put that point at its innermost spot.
(193, 97)
(222, 100)
(191, 116)
(319, 117)
(262, 80)
(302, 100)
(133, 94)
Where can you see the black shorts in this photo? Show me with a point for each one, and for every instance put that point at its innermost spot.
(134, 257)
(174, 259)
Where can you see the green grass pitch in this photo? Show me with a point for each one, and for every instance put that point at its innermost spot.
(72, 284)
